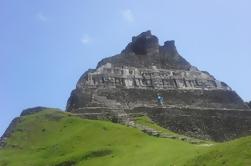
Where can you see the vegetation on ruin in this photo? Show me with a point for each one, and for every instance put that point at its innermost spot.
(52, 137)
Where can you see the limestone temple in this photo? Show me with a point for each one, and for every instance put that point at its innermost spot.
(126, 85)
(150, 78)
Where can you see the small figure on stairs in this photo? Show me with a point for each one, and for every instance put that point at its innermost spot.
(160, 99)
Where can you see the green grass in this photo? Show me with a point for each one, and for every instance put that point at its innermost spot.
(232, 153)
(146, 121)
(56, 138)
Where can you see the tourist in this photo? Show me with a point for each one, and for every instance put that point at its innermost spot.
(160, 99)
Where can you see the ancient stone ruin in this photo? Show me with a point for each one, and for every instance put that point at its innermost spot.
(126, 85)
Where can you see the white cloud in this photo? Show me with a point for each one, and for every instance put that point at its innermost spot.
(40, 16)
(86, 39)
(128, 15)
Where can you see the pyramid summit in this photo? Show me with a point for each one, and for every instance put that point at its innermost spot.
(127, 84)
(144, 51)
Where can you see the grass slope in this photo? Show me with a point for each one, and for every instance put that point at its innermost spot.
(56, 138)
(232, 153)
(146, 121)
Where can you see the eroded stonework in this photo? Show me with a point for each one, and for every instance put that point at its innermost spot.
(149, 78)
(132, 79)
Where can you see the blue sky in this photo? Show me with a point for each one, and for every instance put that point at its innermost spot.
(46, 45)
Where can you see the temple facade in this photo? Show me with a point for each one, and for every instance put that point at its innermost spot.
(127, 84)
(144, 78)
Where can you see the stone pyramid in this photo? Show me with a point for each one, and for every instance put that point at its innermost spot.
(127, 84)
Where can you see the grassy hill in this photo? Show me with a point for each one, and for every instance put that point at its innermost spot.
(233, 153)
(56, 138)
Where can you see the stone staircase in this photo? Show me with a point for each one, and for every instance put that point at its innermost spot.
(122, 116)
(156, 133)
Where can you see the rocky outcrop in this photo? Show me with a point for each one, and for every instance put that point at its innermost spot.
(9, 131)
(145, 69)
(144, 52)
(33, 110)
(17, 120)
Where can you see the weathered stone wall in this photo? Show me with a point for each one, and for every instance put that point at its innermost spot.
(249, 104)
(144, 51)
(131, 77)
(129, 98)
(211, 124)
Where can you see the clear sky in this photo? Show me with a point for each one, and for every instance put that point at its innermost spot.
(45, 45)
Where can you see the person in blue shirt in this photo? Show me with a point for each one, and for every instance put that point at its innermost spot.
(160, 99)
